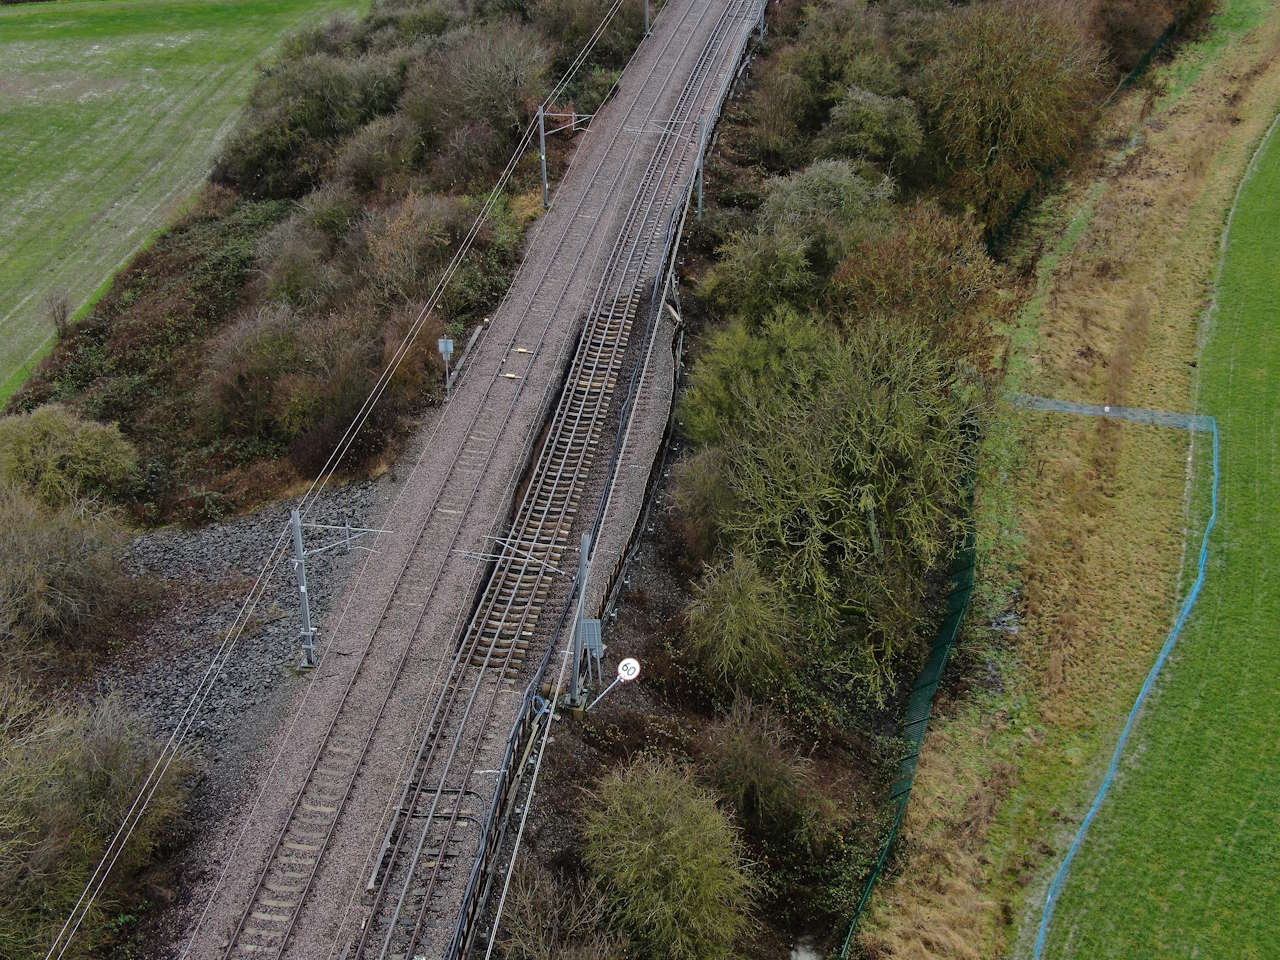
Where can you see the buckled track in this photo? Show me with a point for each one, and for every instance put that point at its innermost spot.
(436, 823)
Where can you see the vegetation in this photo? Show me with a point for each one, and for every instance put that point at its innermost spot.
(60, 458)
(67, 778)
(60, 584)
(844, 493)
(1010, 92)
(738, 623)
(1194, 767)
(550, 920)
(851, 307)
(1084, 529)
(150, 85)
(669, 862)
(236, 350)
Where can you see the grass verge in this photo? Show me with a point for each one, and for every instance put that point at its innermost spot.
(1083, 522)
(1179, 861)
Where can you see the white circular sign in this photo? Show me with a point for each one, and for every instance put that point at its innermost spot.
(628, 669)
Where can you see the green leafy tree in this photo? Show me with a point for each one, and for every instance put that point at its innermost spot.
(847, 494)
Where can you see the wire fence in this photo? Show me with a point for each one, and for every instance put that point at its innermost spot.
(920, 707)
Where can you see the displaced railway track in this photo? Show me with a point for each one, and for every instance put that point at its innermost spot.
(415, 891)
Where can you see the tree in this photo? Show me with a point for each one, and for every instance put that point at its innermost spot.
(1009, 93)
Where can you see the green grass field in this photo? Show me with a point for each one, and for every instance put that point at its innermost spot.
(110, 113)
(1181, 861)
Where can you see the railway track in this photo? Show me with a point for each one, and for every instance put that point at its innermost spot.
(437, 821)
(440, 800)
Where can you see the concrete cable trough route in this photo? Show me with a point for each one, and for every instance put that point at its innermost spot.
(373, 833)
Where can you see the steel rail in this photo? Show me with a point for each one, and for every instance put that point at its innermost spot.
(569, 227)
(636, 235)
(234, 941)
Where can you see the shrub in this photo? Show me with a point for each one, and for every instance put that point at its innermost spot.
(758, 271)
(480, 83)
(60, 458)
(247, 367)
(700, 496)
(553, 918)
(932, 269)
(57, 311)
(830, 204)
(297, 110)
(373, 153)
(293, 258)
(1009, 93)
(668, 861)
(740, 364)
(739, 625)
(1128, 28)
(572, 23)
(877, 128)
(60, 584)
(67, 778)
(753, 763)
(406, 243)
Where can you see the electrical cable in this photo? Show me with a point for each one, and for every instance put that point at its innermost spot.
(137, 809)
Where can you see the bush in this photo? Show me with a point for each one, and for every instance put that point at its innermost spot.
(572, 23)
(668, 861)
(753, 763)
(60, 584)
(553, 918)
(881, 129)
(757, 272)
(297, 111)
(830, 204)
(406, 244)
(67, 778)
(934, 270)
(739, 625)
(1129, 28)
(739, 365)
(477, 88)
(699, 495)
(60, 458)
(373, 153)
(1008, 95)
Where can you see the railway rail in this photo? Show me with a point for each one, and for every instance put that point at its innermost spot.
(439, 819)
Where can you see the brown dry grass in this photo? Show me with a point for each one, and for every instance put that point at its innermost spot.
(1101, 507)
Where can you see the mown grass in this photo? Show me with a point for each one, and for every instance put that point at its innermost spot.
(111, 112)
(1181, 860)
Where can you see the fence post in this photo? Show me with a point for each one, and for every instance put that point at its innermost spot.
(542, 155)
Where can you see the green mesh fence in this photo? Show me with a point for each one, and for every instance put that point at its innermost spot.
(919, 707)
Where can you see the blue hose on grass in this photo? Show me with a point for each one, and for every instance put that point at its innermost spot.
(1190, 422)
